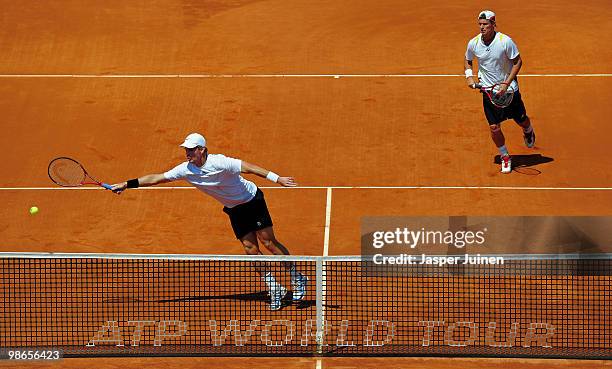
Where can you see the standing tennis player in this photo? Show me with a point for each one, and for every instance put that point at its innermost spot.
(220, 177)
(499, 62)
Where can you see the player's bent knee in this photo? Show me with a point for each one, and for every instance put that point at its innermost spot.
(250, 245)
(251, 249)
(495, 128)
(268, 243)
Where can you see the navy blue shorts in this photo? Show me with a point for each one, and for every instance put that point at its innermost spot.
(516, 110)
(249, 217)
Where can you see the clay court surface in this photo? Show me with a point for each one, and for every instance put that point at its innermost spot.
(119, 84)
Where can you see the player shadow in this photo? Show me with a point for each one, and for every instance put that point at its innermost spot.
(526, 163)
(526, 160)
(253, 296)
(262, 296)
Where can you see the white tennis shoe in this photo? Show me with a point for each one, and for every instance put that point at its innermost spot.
(506, 164)
(299, 287)
(529, 139)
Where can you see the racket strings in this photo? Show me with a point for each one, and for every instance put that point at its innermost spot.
(66, 172)
(502, 100)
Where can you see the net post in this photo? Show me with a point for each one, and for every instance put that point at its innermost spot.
(320, 320)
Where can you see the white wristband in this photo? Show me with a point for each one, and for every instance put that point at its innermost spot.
(469, 73)
(272, 177)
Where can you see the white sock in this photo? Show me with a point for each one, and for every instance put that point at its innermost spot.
(503, 151)
(528, 129)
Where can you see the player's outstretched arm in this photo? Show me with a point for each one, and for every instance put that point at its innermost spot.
(144, 181)
(249, 168)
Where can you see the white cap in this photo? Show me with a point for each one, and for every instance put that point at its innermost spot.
(194, 140)
(488, 15)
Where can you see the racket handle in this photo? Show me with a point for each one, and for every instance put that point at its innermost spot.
(107, 186)
(477, 86)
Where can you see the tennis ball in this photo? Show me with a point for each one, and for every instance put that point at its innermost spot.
(34, 210)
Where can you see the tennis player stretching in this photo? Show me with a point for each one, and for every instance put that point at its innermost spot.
(244, 203)
(498, 62)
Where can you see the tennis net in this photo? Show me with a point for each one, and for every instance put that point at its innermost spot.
(170, 305)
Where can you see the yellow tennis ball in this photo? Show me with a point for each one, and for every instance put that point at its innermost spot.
(34, 210)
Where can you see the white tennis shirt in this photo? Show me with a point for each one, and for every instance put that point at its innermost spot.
(219, 177)
(495, 60)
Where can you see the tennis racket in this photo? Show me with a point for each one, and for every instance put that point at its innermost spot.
(492, 92)
(68, 172)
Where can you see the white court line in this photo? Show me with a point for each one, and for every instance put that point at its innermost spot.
(165, 188)
(319, 364)
(281, 75)
(328, 207)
